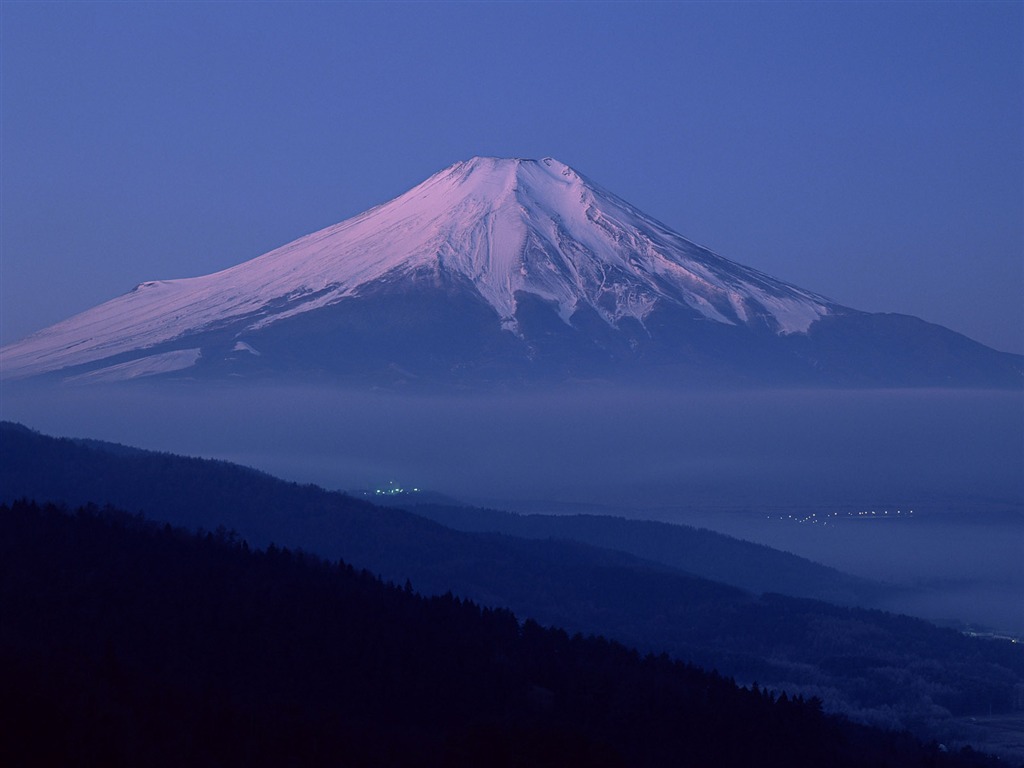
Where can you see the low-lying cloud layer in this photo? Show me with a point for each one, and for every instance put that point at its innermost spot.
(725, 460)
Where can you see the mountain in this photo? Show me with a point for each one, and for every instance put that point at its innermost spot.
(498, 270)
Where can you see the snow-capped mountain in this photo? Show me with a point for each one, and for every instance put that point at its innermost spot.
(489, 268)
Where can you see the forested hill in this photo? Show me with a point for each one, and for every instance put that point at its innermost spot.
(201, 492)
(754, 567)
(879, 668)
(125, 642)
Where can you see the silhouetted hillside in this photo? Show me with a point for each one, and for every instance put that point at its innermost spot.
(875, 666)
(129, 643)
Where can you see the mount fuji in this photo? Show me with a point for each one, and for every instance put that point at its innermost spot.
(500, 271)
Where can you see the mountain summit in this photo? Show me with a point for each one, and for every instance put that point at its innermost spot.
(490, 269)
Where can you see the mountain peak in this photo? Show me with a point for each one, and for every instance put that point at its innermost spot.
(508, 228)
(537, 226)
(496, 180)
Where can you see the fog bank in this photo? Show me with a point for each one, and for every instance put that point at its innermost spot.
(724, 460)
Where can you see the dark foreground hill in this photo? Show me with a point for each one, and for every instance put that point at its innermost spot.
(129, 643)
(874, 666)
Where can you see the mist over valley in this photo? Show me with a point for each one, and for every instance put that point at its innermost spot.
(801, 471)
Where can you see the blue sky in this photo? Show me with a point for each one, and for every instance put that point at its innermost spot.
(872, 152)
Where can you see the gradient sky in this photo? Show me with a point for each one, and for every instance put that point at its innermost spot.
(872, 152)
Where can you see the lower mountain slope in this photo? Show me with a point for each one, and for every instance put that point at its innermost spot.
(875, 666)
(438, 332)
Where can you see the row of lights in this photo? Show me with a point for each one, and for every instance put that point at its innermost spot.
(827, 518)
(394, 490)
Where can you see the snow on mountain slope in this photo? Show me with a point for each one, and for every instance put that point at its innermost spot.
(506, 225)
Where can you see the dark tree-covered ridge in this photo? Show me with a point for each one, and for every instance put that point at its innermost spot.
(126, 642)
(877, 667)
